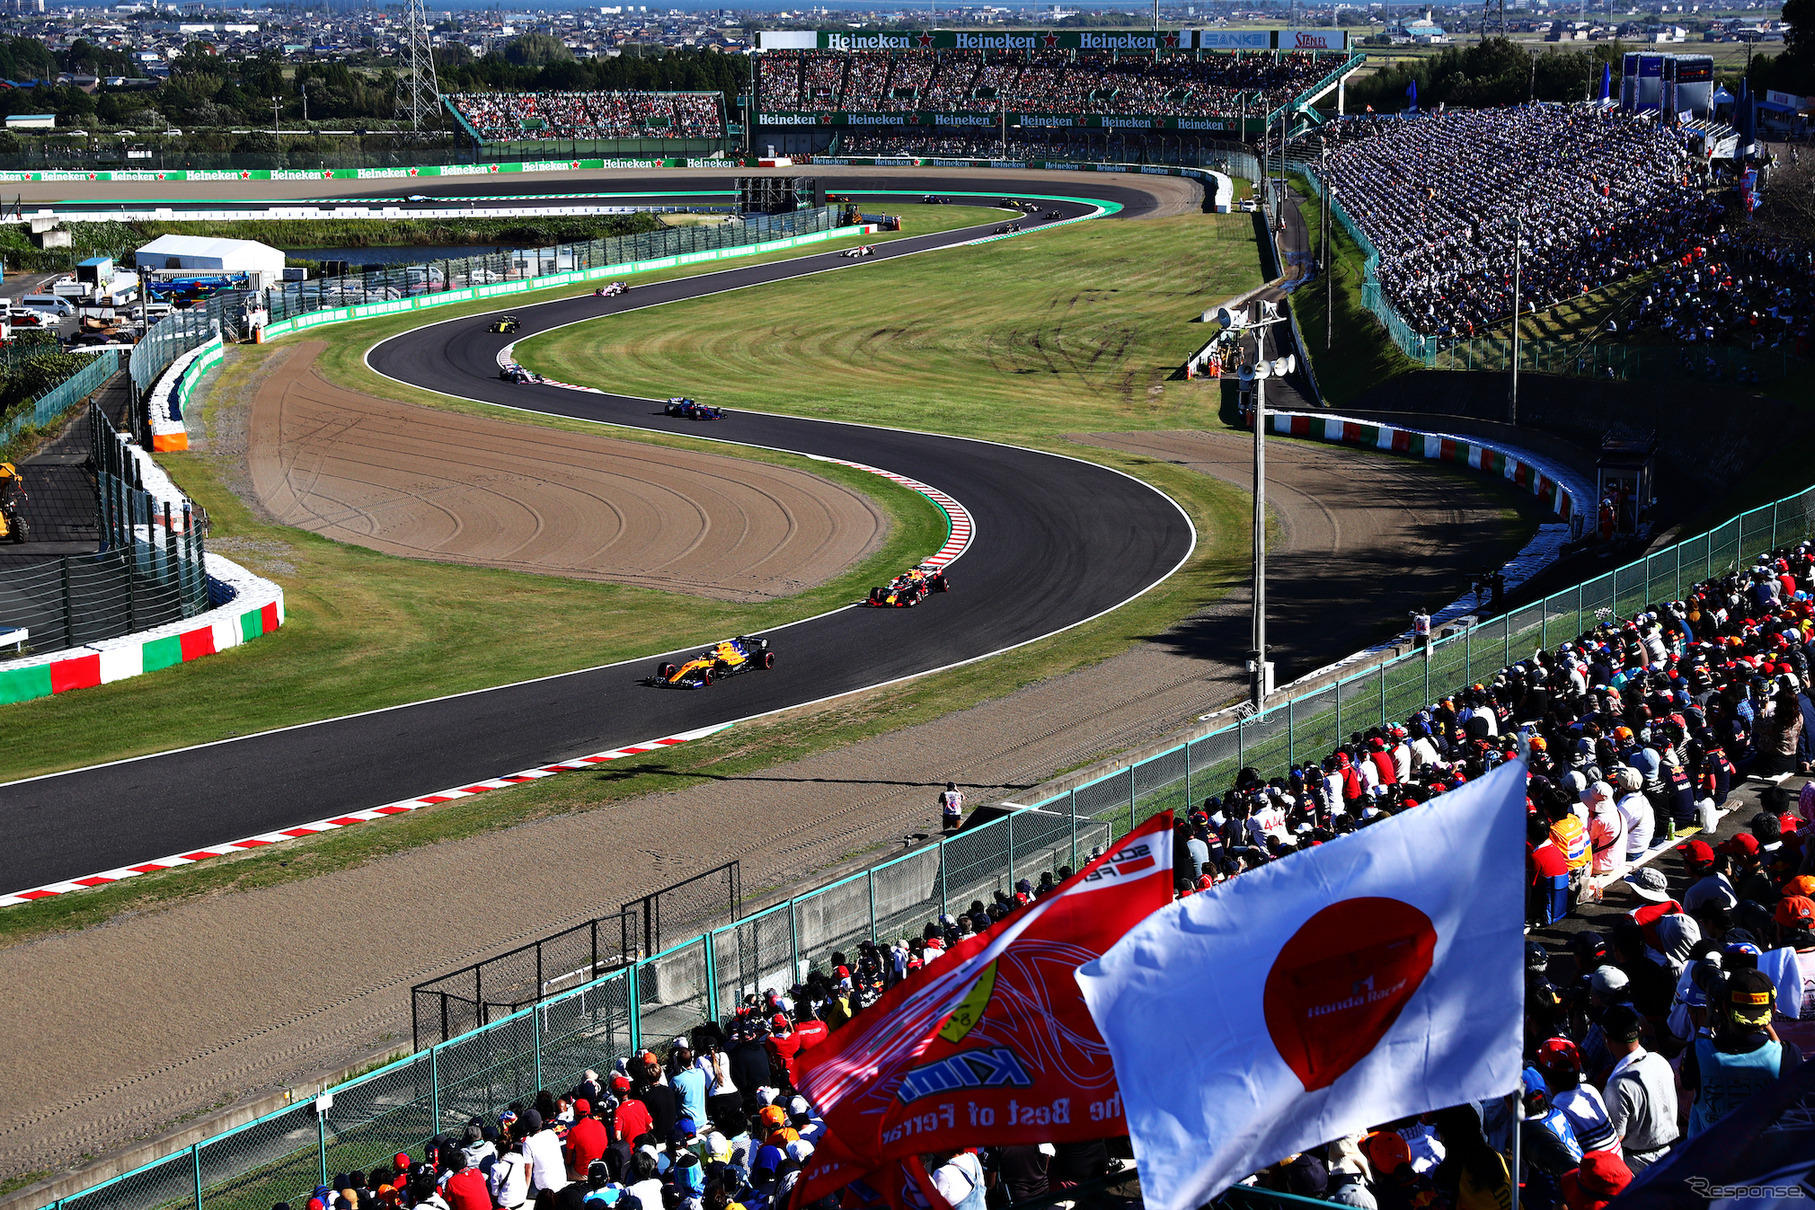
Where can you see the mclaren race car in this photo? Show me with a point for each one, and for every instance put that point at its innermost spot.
(910, 587)
(504, 323)
(611, 289)
(865, 250)
(729, 658)
(689, 410)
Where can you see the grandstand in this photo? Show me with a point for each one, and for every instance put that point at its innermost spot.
(1047, 86)
(594, 122)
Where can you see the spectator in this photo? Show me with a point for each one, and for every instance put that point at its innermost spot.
(542, 1148)
(688, 1080)
(1640, 1092)
(586, 1140)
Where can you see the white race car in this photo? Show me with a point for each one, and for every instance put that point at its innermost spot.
(866, 250)
(611, 289)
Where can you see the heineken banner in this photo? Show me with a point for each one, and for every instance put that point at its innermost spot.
(1032, 40)
(988, 120)
(330, 174)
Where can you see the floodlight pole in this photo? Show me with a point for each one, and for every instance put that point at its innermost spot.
(1257, 679)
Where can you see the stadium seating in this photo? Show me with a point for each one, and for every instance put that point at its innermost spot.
(1179, 84)
(536, 116)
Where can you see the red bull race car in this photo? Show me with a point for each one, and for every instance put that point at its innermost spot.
(689, 410)
(729, 658)
(910, 587)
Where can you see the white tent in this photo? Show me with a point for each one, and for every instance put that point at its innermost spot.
(207, 254)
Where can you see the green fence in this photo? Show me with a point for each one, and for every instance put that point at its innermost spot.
(66, 394)
(283, 1156)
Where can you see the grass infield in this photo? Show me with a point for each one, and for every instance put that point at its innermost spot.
(1023, 340)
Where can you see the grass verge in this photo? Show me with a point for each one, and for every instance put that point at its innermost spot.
(1219, 512)
(1077, 328)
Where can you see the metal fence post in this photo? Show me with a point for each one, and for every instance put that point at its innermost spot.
(535, 1015)
(871, 880)
(1071, 800)
(943, 906)
(1011, 832)
(711, 942)
(794, 929)
(195, 1161)
(636, 1000)
(1382, 671)
(1338, 688)
(435, 1081)
(321, 1141)
(1131, 823)
(69, 605)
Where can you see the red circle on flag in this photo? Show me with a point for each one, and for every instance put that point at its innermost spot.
(1341, 981)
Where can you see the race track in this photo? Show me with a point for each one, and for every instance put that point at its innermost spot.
(1057, 541)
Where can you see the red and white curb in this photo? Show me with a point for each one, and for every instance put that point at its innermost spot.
(348, 820)
(959, 517)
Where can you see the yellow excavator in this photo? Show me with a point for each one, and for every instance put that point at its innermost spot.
(12, 504)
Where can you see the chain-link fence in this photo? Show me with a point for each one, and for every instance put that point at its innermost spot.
(66, 394)
(149, 570)
(520, 264)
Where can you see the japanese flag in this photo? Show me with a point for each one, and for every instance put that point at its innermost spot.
(1373, 977)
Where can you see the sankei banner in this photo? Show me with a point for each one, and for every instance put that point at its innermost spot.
(992, 1043)
(1235, 39)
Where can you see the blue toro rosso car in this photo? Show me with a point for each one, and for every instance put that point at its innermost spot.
(689, 410)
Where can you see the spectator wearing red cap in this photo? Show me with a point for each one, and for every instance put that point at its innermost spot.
(1603, 1176)
(1709, 870)
(1581, 1103)
(466, 1188)
(782, 1046)
(1795, 920)
(586, 1140)
(631, 1121)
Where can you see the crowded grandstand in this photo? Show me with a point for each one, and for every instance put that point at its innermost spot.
(533, 116)
(1180, 83)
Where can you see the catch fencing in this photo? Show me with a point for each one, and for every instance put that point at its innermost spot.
(227, 313)
(149, 569)
(549, 1044)
(403, 281)
(60, 398)
(472, 996)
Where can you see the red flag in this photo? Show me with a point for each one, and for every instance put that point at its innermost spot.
(992, 1043)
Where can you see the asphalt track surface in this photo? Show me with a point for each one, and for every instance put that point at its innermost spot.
(1057, 541)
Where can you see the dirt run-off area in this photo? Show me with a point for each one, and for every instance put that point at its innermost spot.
(425, 483)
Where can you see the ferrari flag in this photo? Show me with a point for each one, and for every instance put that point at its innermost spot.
(992, 1043)
(1367, 979)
